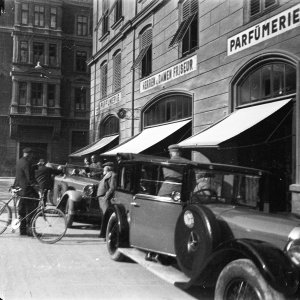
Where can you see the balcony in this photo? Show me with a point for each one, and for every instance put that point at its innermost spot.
(30, 110)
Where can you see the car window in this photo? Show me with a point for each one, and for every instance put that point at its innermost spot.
(126, 178)
(149, 179)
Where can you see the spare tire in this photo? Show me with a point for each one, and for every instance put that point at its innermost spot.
(197, 233)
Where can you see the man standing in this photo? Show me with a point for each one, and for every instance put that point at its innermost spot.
(24, 179)
(106, 189)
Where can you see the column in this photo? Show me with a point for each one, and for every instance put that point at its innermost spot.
(14, 98)
(57, 100)
(45, 96)
(28, 98)
(46, 55)
(30, 51)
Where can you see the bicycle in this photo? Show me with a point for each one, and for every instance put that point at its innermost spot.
(49, 224)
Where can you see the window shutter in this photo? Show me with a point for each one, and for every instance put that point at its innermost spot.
(104, 80)
(146, 39)
(254, 7)
(117, 72)
(269, 3)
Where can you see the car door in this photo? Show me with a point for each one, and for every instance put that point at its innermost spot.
(153, 212)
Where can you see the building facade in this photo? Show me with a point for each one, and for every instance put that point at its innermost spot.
(44, 79)
(219, 78)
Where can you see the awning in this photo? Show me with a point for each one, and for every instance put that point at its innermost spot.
(234, 124)
(96, 146)
(147, 138)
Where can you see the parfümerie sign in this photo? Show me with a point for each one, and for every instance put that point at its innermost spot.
(272, 27)
(181, 69)
(110, 101)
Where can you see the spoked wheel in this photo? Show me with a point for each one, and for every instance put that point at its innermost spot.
(241, 279)
(49, 226)
(113, 238)
(5, 216)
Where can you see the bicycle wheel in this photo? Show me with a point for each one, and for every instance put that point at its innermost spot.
(5, 216)
(49, 225)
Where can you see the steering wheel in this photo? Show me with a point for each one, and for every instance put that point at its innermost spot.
(204, 194)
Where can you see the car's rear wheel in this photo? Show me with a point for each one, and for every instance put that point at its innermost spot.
(113, 238)
(69, 215)
(196, 235)
(241, 279)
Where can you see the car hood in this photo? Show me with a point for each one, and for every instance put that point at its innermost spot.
(247, 223)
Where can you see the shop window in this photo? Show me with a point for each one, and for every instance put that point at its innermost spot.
(53, 17)
(82, 26)
(80, 99)
(51, 95)
(187, 32)
(265, 82)
(258, 7)
(24, 13)
(110, 126)
(117, 72)
(79, 140)
(52, 55)
(144, 59)
(103, 75)
(81, 57)
(38, 53)
(39, 16)
(22, 93)
(170, 108)
(24, 51)
(37, 94)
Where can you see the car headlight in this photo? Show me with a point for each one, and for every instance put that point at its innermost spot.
(293, 246)
(88, 190)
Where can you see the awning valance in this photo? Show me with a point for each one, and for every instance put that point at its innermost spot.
(234, 124)
(96, 146)
(147, 138)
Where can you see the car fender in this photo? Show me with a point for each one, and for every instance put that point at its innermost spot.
(272, 262)
(72, 196)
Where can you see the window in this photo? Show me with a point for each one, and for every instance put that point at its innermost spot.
(126, 178)
(53, 17)
(38, 53)
(105, 17)
(117, 72)
(81, 57)
(118, 10)
(51, 95)
(82, 25)
(24, 14)
(270, 80)
(103, 75)
(144, 59)
(110, 126)
(22, 93)
(170, 108)
(24, 51)
(52, 55)
(187, 32)
(37, 94)
(258, 7)
(80, 99)
(39, 16)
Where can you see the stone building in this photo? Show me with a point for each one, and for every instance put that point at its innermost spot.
(45, 81)
(224, 72)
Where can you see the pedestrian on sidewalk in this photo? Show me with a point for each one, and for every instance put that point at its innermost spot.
(25, 180)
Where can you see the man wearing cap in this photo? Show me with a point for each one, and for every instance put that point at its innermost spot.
(24, 179)
(43, 176)
(106, 187)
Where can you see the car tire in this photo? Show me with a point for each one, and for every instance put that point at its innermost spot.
(69, 216)
(241, 279)
(113, 238)
(195, 241)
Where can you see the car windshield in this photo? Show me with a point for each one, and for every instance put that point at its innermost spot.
(213, 186)
(78, 171)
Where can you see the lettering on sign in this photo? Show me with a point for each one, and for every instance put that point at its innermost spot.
(169, 74)
(110, 101)
(272, 27)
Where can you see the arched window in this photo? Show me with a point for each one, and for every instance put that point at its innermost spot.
(267, 81)
(110, 126)
(117, 72)
(167, 109)
(103, 78)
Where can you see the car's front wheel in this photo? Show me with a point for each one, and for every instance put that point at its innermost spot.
(113, 238)
(241, 279)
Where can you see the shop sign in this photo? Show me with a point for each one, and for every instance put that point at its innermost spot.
(181, 69)
(110, 101)
(265, 30)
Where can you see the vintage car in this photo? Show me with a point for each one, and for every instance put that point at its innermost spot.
(212, 221)
(74, 192)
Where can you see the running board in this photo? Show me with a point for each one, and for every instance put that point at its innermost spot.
(167, 273)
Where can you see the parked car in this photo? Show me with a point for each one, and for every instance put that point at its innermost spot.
(74, 193)
(211, 220)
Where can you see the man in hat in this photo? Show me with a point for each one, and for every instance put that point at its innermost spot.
(44, 176)
(25, 179)
(106, 188)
